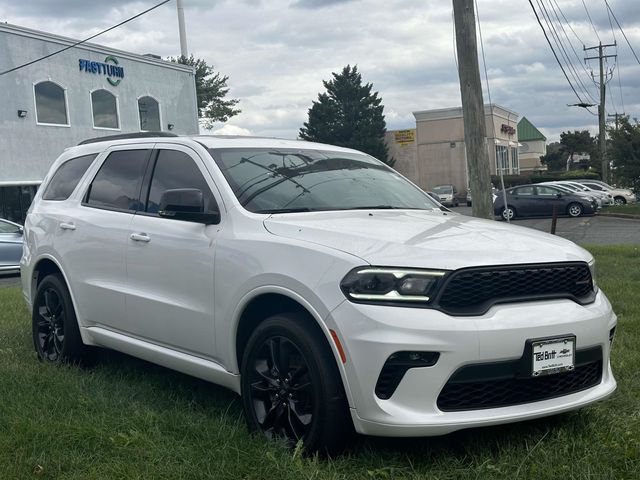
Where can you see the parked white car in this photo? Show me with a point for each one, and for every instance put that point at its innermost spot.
(621, 196)
(327, 290)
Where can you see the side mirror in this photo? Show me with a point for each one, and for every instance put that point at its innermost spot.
(558, 195)
(186, 204)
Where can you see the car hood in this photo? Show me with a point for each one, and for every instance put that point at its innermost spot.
(424, 239)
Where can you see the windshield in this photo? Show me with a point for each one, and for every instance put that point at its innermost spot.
(287, 180)
(444, 189)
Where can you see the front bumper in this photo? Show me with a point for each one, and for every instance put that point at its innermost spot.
(370, 334)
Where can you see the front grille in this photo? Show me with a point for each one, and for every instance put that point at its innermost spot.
(472, 291)
(462, 393)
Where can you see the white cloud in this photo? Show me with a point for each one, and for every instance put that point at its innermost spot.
(229, 129)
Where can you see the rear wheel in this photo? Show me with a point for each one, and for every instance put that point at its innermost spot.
(574, 209)
(291, 387)
(508, 213)
(619, 200)
(56, 336)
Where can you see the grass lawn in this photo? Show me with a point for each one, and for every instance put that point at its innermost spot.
(127, 419)
(633, 209)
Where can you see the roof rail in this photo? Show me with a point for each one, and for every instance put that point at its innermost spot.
(124, 136)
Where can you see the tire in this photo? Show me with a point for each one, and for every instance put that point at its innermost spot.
(54, 326)
(574, 210)
(619, 201)
(298, 396)
(508, 213)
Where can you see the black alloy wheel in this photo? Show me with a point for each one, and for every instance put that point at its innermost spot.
(56, 336)
(281, 389)
(291, 386)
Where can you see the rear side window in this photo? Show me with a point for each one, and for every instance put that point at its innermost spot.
(176, 169)
(117, 183)
(66, 178)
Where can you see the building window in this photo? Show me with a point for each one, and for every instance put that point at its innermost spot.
(105, 110)
(502, 162)
(15, 201)
(515, 162)
(149, 112)
(51, 104)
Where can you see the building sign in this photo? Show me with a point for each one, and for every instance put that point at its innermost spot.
(109, 67)
(508, 129)
(405, 137)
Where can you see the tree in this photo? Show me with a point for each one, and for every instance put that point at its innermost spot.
(555, 159)
(211, 90)
(624, 152)
(348, 115)
(577, 142)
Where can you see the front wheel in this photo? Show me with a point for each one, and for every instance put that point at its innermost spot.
(619, 201)
(56, 336)
(508, 213)
(291, 386)
(574, 210)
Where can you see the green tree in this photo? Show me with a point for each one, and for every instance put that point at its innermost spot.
(623, 149)
(577, 142)
(348, 115)
(211, 90)
(555, 158)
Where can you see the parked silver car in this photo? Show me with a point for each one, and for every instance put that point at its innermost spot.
(10, 246)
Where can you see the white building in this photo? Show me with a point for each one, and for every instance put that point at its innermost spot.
(86, 91)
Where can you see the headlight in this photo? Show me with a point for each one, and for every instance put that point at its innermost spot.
(592, 268)
(391, 285)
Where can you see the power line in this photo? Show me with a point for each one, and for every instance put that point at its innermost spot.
(556, 56)
(591, 21)
(613, 32)
(563, 51)
(484, 63)
(568, 23)
(83, 41)
(620, 27)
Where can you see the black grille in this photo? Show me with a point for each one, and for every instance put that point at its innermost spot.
(502, 392)
(474, 290)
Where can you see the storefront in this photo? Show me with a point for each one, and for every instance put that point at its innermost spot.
(436, 155)
(86, 91)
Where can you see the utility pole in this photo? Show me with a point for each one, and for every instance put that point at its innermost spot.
(602, 142)
(182, 30)
(475, 132)
(616, 116)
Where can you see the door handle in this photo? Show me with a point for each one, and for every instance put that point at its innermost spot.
(140, 237)
(67, 226)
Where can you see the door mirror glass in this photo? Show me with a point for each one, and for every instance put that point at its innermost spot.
(186, 204)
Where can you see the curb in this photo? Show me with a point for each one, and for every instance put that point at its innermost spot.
(620, 215)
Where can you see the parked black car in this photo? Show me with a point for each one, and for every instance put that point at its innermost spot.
(540, 200)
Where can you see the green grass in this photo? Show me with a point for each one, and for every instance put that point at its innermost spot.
(125, 418)
(633, 209)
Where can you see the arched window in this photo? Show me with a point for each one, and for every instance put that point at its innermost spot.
(51, 104)
(149, 112)
(105, 109)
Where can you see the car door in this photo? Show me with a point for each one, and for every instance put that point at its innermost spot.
(547, 199)
(522, 199)
(92, 236)
(170, 262)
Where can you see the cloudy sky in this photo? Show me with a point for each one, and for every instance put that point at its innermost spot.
(277, 52)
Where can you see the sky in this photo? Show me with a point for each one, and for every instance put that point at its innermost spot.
(277, 52)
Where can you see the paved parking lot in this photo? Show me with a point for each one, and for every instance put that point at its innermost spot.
(597, 229)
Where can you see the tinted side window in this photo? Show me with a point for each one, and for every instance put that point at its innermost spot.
(524, 191)
(546, 191)
(117, 184)
(177, 170)
(66, 178)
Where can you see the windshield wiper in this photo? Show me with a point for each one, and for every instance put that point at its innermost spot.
(286, 210)
(381, 207)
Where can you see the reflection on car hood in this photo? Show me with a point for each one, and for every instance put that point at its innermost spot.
(425, 239)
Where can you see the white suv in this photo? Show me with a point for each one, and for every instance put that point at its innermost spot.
(318, 283)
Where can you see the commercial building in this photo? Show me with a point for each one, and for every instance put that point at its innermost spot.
(434, 152)
(533, 145)
(85, 91)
